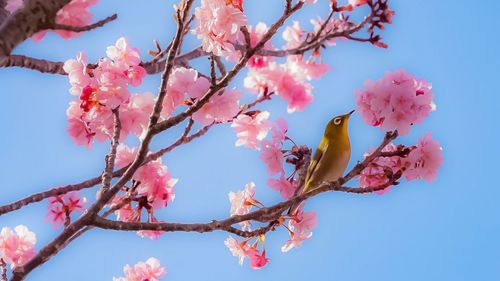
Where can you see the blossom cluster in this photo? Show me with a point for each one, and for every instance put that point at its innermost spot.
(397, 101)
(17, 245)
(150, 270)
(103, 89)
(422, 162)
(61, 206)
(289, 80)
(186, 86)
(243, 250)
(218, 25)
(152, 189)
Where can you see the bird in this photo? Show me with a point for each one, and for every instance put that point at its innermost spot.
(330, 158)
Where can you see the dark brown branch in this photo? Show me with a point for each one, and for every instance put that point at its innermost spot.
(86, 27)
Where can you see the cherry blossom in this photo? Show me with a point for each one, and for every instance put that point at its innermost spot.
(251, 129)
(61, 206)
(242, 250)
(424, 161)
(104, 88)
(237, 249)
(272, 156)
(397, 101)
(151, 270)
(288, 80)
(242, 202)
(218, 24)
(257, 260)
(222, 107)
(375, 174)
(17, 246)
(283, 186)
(257, 32)
(300, 226)
(75, 13)
(293, 35)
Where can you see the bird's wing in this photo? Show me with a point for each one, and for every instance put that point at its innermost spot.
(314, 162)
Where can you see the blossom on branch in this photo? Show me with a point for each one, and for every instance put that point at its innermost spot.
(17, 246)
(251, 128)
(151, 270)
(104, 88)
(424, 161)
(397, 101)
(300, 228)
(242, 202)
(61, 206)
(218, 25)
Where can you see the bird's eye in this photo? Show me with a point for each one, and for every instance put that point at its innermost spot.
(337, 121)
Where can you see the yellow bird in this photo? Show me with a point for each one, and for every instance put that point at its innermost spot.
(331, 157)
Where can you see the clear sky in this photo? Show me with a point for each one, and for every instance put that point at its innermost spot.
(447, 230)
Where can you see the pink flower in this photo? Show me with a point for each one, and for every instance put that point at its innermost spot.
(156, 184)
(151, 270)
(397, 101)
(220, 108)
(424, 161)
(257, 260)
(286, 82)
(134, 116)
(61, 206)
(237, 249)
(278, 132)
(293, 35)
(251, 130)
(375, 174)
(272, 156)
(77, 73)
(122, 52)
(283, 186)
(242, 202)
(124, 155)
(218, 24)
(300, 226)
(256, 34)
(17, 246)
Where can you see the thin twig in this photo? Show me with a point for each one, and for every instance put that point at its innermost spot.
(86, 27)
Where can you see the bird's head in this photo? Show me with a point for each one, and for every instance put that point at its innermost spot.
(337, 127)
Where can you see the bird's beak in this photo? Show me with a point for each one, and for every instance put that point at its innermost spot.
(349, 114)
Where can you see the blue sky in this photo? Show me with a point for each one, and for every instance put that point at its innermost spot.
(446, 230)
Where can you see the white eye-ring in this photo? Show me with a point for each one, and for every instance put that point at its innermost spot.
(337, 121)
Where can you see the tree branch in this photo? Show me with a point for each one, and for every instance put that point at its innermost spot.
(266, 214)
(85, 27)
